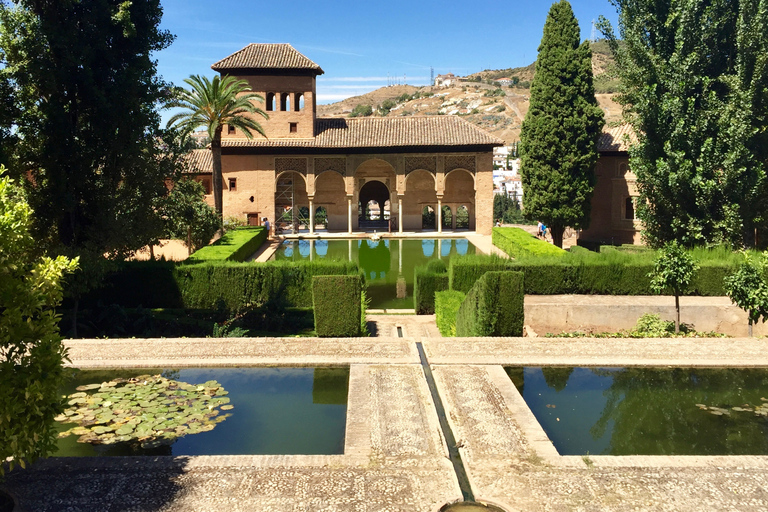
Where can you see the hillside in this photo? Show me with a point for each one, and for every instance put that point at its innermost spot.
(499, 110)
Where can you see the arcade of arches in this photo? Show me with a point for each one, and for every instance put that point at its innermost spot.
(357, 193)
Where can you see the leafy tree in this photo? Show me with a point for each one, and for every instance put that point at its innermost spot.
(694, 79)
(31, 352)
(748, 289)
(386, 106)
(559, 134)
(188, 216)
(85, 95)
(361, 111)
(213, 104)
(673, 270)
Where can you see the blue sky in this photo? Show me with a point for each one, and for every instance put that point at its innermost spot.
(360, 44)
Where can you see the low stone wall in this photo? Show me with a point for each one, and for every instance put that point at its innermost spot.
(604, 313)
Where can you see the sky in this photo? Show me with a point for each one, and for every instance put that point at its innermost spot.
(364, 45)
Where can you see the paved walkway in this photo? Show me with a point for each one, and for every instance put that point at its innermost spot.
(395, 457)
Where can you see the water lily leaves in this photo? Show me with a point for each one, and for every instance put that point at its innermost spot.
(147, 411)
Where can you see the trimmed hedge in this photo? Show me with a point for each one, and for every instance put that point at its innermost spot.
(464, 271)
(611, 278)
(214, 285)
(493, 307)
(336, 301)
(447, 304)
(518, 243)
(235, 245)
(425, 284)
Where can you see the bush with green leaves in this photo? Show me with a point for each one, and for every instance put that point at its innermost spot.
(337, 304)
(465, 270)
(425, 284)
(447, 304)
(747, 288)
(519, 243)
(493, 307)
(361, 111)
(673, 271)
(32, 353)
(188, 217)
(235, 245)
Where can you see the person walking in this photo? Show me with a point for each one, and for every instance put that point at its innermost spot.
(266, 225)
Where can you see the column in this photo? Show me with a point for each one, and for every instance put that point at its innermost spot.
(439, 215)
(311, 248)
(349, 214)
(311, 216)
(400, 214)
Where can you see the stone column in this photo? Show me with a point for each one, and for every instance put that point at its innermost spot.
(439, 214)
(349, 214)
(311, 215)
(400, 214)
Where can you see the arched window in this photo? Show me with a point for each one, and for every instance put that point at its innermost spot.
(285, 102)
(298, 103)
(270, 101)
(447, 217)
(629, 208)
(462, 217)
(428, 218)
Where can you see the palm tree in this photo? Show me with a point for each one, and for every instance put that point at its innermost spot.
(214, 103)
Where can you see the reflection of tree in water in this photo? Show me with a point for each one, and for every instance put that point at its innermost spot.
(517, 374)
(654, 412)
(330, 386)
(557, 377)
(374, 257)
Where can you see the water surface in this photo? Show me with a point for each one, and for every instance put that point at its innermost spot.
(646, 411)
(276, 411)
(388, 263)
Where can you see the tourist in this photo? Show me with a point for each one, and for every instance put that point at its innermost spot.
(539, 232)
(266, 225)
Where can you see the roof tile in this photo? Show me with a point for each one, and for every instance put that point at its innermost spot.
(617, 138)
(267, 56)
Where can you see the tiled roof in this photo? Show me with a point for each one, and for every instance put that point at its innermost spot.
(618, 138)
(267, 56)
(199, 161)
(383, 132)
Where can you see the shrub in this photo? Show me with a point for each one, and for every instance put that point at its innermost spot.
(425, 284)
(336, 301)
(235, 245)
(447, 304)
(214, 285)
(493, 307)
(518, 243)
(361, 111)
(464, 271)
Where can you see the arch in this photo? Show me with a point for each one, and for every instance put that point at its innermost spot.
(270, 101)
(461, 170)
(621, 170)
(459, 191)
(285, 102)
(447, 215)
(428, 218)
(376, 192)
(419, 173)
(290, 197)
(462, 217)
(330, 193)
(321, 216)
(298, 102)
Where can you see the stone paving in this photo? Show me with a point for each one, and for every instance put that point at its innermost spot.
(395, 458)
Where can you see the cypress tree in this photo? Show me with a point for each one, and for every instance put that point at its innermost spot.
(560, 131)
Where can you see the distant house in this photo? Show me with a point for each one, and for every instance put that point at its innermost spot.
(613, 218)
(446, 80)
(506, 82)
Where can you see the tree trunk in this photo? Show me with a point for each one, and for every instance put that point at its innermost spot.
(189, 240)
(750, 327)
(677, 310)
(151, 252)
(557, 235)
(217, 176)
(74, 318)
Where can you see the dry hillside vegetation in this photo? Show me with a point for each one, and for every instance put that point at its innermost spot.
(480, 103)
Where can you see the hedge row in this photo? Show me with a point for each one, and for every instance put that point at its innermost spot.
(561, 276)
(463, 272)
(214, 285)
(493, 307)
(447, 305)
(425, 284)
(336, 303)
(235, 245)
(518, 243)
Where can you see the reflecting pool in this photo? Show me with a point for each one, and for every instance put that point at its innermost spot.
(276, 411)
(388, 264)
(648, 411)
